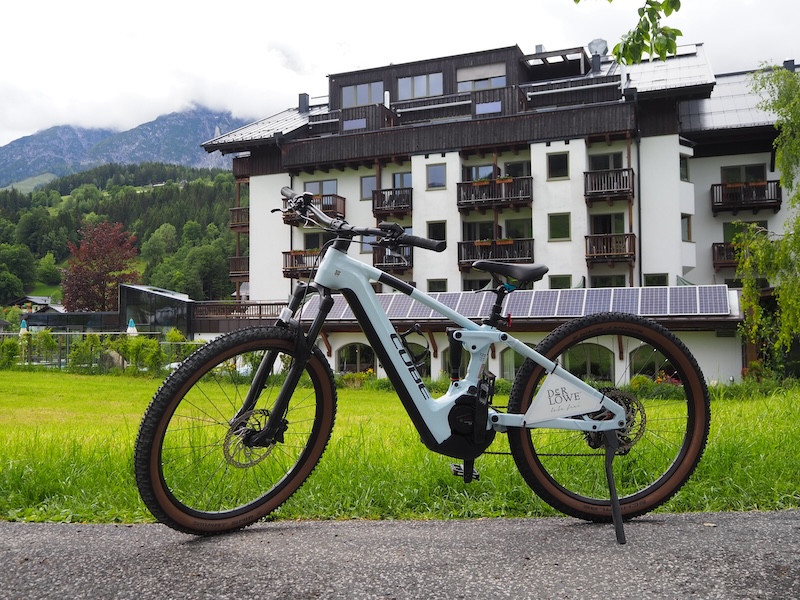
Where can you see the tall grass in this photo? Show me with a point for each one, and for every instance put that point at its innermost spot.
(66, 452)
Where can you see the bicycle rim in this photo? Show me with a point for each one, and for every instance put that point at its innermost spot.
(646, 369)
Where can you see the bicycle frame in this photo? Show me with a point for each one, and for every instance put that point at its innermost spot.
(573, 397)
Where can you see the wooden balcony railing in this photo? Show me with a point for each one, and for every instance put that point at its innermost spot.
(753, 195)
(516, 192)
(299, 263)
(513, 250)
(234, 310)
(240, 219)
(240, 268)
(392, 202)
(393, 261)
(331, 204)
(723, 255)
(611, 247)
(610, 185)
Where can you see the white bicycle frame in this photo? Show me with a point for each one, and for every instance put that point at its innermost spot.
(558, 405)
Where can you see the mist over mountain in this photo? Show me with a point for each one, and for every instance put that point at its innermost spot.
(62, 150)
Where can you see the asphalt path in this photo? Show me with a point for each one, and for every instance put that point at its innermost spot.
(698, 555)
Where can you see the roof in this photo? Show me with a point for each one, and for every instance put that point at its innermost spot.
(688, 68)
(732, 105)
(279, 124)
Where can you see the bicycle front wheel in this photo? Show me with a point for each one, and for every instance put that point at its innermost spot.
(645, 368)
(197, 468)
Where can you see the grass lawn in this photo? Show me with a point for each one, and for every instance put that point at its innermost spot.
(66, 452)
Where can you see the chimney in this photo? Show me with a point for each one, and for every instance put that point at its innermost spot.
(788, 64)
(302, 104)
(595, 64)
(539, 48)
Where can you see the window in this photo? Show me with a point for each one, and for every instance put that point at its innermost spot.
(476, 172)
(366, 243)
(602, 281)
(558, 226)
(481, 77)
(437, 285)
(420, 86)
(488, 108)
(608, 224)
(560, 282)
(518, 169)
(351, 124)
(437, 176)
(401, 180)
(362, 94)
(743, 173)
(369, 183)
(656, 279)
(686, 228)
(437, 230)
(471, 285)
(605, 162)
(326, 187)
(558, 165)
(729, 230)
(480, 230)
(519, 228)
(684, 167)
(316, 240)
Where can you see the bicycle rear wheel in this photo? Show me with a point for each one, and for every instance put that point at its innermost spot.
(648, 370)
(196, 467)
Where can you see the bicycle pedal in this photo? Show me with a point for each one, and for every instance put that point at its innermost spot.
(458, 471)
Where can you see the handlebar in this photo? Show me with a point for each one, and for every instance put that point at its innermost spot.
(388, 234)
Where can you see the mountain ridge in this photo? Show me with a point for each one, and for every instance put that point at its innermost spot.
(173, 138)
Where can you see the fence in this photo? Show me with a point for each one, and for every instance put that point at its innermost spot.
(92, 352)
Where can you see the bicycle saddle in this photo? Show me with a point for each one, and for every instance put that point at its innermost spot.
(522, 273)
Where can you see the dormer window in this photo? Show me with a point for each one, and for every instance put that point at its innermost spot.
(362, 94)
(420, 86)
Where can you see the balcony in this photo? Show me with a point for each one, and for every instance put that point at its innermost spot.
(391, 203)
(519, 250)
(723, 256)
(240, 219)
(753, 195)
(331, 204)
(611, 248)
(608, 186)
(393, 261)
(495, 194)
(299, 263)
(239, 268)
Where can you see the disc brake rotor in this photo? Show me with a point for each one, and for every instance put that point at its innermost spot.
(237, 452)
(635, 421)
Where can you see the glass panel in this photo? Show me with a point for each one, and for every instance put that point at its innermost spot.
(559, 227)
(557, 165)
(560, 282)
(368, 185)
(437, 176)
(404, 88)
(401, 180)
(436, 84)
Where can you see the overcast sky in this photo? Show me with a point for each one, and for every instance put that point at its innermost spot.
(104, 63)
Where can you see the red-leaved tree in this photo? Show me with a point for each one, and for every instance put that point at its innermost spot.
(102, 260)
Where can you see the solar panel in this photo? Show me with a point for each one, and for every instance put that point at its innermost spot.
(310, 308)
(713, 300)
(570, 303)
(544, 303)
(625, 300)
(420, 311)
(654, 301)
(399, 307)
(683, 300)
(470, 304)
(597, 300)
(339, 307)
(517, 303)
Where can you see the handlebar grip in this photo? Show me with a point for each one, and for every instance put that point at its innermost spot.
(288, 192)
(427, 244)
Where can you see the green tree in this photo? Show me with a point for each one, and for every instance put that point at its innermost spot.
(101, 262)
(775, 255)
(10, 286)
(19, 261)
(47, 271)
(649, 35)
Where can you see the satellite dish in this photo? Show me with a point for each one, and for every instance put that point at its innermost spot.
(598, 46)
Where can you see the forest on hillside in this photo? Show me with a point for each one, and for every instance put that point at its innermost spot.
(180, 218)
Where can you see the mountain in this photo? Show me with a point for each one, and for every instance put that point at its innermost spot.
(62, 150)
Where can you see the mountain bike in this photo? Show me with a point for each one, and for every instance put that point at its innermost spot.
(238, 427)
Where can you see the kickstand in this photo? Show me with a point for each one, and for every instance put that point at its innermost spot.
(612, 443)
